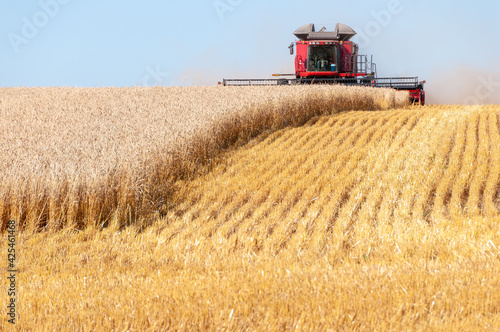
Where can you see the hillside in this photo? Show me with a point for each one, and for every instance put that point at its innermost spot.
(382, 220)
(94, 156)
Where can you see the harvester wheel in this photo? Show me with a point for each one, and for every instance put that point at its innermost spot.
(422, 98)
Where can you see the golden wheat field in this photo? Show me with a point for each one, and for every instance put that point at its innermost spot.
(370, 216)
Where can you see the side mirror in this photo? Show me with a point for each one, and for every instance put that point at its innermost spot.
(291, 48)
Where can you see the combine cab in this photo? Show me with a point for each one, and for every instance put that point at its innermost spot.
(330, 57)
(325, 54)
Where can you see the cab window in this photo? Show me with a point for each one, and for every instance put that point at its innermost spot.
(322, 58)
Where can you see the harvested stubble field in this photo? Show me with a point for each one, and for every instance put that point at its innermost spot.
(357, 220)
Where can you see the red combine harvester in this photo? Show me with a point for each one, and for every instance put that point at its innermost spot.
(330, 57)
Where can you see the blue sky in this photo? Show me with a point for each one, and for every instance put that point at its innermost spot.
(173, 42)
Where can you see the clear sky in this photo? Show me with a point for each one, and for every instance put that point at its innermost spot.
(173, 42)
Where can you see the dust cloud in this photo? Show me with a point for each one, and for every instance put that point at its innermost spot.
(464, 85)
